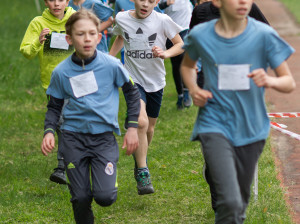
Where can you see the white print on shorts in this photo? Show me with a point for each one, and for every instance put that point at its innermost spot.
(109, 169)
(58, 40)
(84, 84)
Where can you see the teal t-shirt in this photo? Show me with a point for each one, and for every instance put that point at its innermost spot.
(240, 115)
(92, 92)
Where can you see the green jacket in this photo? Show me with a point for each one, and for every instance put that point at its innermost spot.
(49, 57)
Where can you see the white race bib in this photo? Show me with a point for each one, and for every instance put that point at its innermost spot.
(58, 40)
(234, 77)
(84, 84)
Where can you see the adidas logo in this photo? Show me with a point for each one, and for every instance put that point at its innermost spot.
(142, 54)
(71, 166)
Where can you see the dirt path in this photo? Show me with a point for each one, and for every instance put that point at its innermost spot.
(287, 149)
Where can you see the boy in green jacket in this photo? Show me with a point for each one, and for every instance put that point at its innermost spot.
(45, 36)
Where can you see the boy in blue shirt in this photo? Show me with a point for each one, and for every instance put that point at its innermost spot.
(232, 122)
(89, 79)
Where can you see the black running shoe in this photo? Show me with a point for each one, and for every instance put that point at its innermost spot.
(58, 176)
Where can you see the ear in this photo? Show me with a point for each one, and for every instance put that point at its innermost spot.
(99, 38)
(69, 39)
(157, 1)
(46, 3)
(217, 3)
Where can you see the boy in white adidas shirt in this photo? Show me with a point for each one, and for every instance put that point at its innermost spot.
(143, 33)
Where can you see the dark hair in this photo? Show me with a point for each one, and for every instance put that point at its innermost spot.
(81, 14)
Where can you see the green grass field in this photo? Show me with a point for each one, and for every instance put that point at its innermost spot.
(294, 7)
(27, 195)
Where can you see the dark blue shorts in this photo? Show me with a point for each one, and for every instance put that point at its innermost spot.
(152, 101)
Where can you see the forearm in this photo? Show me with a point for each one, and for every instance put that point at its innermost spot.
(53, 114)
(132, 97)
(106, 24)
(189, 76)
(284, 84)
(175, 50)
(30, 49)
(117, 46)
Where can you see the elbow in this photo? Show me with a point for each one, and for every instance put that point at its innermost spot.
(293, 86)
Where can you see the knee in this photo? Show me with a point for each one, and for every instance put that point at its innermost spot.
(105, 198)
(82, 198)
(150, 130)
(143, 123)
(232, 205)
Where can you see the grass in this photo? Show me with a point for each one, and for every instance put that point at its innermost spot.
(294, 7)
(26, 194)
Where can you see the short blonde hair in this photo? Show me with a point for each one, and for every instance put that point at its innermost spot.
(81, 14)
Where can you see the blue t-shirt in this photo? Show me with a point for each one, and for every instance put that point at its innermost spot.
(240, 116)
(96, 112)
(102, 11)
(128, 5)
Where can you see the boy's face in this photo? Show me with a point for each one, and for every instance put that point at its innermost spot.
(143, 8)
(84, 38)
(234, 9)
(57, 7)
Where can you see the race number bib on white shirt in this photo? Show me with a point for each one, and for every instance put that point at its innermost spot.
(84, 84)
(234, 77)
(58, 40)
(139, 42)
(179, 5)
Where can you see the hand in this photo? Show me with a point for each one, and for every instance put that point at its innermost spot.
(158, 52)
(44, 32)
(260, 78)
(200, 96)
(48, 143)
(131, 141)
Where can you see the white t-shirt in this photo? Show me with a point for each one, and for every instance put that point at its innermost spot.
(140, 35)
(180, 12)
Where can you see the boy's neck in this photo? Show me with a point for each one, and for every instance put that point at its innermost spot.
(230, 28)
(78, 2)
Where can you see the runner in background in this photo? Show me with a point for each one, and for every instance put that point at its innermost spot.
(180, 11)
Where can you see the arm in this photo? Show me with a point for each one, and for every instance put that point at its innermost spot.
(188, 72)
(117, 45)
(132, 97)
(104, 25)
(33, 41)
(172, 52)
(52, 117)
(283, 82)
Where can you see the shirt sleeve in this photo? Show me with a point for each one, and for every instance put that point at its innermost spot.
(278, 50)
(122, 74)
(102, 11)
(132, 97)
(171, 28)
(31, 45)
(53, 114)
(117, 29)
(189, 45)
(55, 87)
